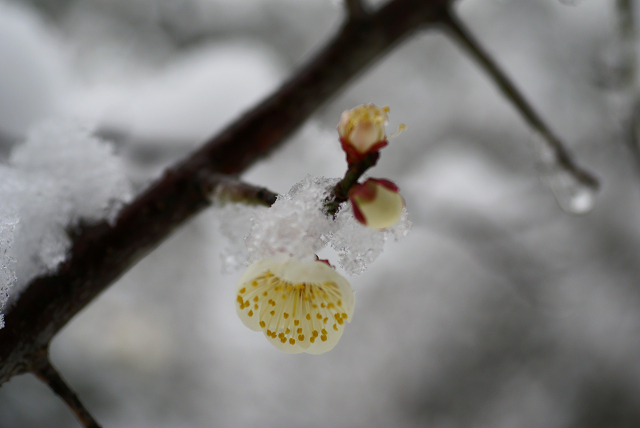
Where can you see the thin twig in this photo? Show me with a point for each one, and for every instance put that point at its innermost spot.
(229, 189)
(340, 192)
(499, 77)
(49, 375)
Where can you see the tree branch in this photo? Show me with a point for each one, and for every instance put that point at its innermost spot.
(355, 8)
(101, 253)
(224, 188)
(562, 156)
(49, 375)
(340, 192)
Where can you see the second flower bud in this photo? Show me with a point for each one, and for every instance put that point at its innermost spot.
(376, 203)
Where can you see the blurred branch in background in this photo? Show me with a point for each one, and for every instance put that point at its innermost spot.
(561, 156)
(625, 80)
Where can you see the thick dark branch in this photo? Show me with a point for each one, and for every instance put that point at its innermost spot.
(355, 8)
(561, 153)
(49, 375)
(102, 253)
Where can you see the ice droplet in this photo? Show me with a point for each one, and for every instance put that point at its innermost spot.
(573, 196)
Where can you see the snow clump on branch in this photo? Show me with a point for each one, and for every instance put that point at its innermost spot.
(59, 176)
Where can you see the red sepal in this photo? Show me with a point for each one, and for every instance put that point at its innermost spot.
(354, 156)
(325, 261)
(357, 213)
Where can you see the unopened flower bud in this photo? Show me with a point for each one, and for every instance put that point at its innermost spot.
(362, 130)
(376, 203)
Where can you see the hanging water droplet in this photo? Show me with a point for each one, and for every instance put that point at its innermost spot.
(574, 190)
(573, 196)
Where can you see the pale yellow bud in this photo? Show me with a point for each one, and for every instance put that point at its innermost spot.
(377, 203)
(363, 127)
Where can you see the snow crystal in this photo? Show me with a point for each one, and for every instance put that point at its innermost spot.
(59, 176)
(297, 225)
(357, 245)
(8, 219)
(235, 220)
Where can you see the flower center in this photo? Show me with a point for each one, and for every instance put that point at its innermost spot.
(293, 313)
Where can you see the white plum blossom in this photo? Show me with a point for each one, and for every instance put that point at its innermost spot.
(300, 306)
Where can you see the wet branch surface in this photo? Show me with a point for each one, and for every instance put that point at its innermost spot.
(102, 253)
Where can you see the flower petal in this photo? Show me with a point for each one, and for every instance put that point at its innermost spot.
(301, 306)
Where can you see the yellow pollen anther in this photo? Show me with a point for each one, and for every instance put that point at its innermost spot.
(302, 300)
(401, 127)
(344, 316)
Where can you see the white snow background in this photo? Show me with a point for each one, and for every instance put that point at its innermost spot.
(497, 310)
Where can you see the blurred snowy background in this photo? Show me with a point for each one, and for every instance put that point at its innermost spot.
(497, 310)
